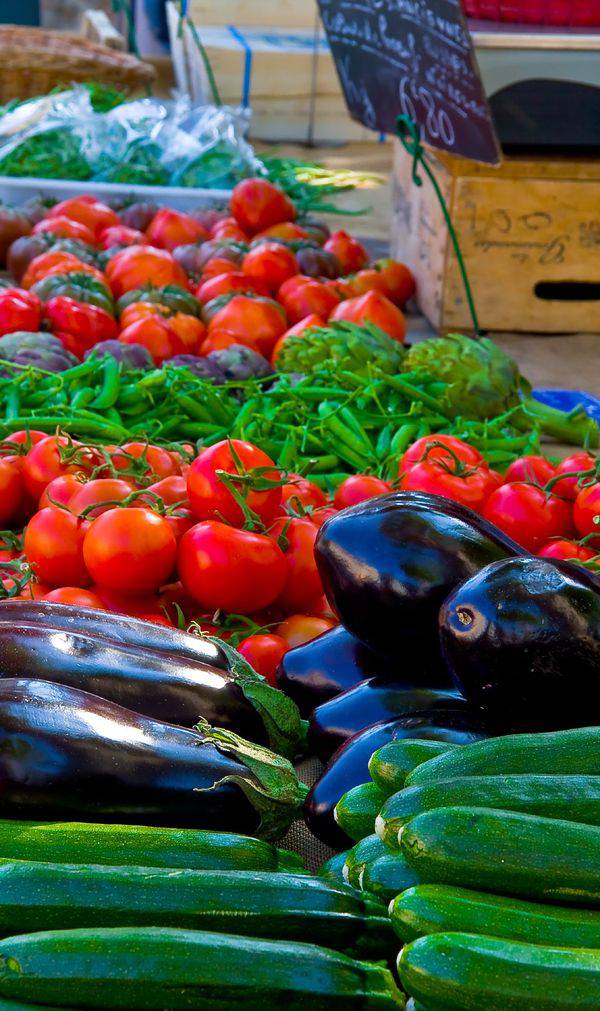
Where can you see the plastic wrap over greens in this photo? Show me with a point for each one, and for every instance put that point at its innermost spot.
(146, 141)
(42, 350)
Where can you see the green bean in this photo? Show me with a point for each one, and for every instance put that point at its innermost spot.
(402, 439)
(111, 383)
(13, 402)
(82, 398)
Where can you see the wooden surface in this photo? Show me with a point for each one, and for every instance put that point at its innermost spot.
(266, 14)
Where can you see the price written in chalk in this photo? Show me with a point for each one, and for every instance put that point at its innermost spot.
(412, 57)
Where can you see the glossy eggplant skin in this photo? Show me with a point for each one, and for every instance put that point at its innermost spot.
(522, 640)
(374, 701)
(349, 765)
(68, 755)
(161, 685)
(120, 628)
(388, 564)
(328, 665)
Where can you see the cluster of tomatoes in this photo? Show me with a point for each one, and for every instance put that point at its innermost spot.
(170, 537)
(180, 283)
(226, 539)
(551, 510)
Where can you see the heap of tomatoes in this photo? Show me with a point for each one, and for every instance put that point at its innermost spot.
(226, 539)
(193, 283)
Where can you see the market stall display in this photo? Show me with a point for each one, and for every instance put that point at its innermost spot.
(246, 523)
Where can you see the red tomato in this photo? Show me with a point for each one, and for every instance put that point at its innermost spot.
(574, 464)
(535, 469)
(169, 229)
(60, 491)
(53, 546)
(152, 460)
(26, 437)
(300, 492)
(228, 228)
(190, 330)
(351, 254)
(223, 284)
(471, 487)
(367, 279)
(431, 447)
(373, 308)
(215, 267)
(257, 204)
(130, 551)
(141, 265)
(567, 550)
(75, 597)
(264, 653)
(120, 235)
(289, 231)
(308, 323)
(12, 491)
(322, 513)
(217, 340)
(528, 514)
(180, 522)
(135, 606)
(234, 570)
(85, 324)
(156, 618)
(359, 488)
(301, 628)
(260, 320)
(297, 537)
(304, 296)
(321, 608)
(42, 464)
(55, 261)
(398, 279)
(157, 335)
(102, 493)
(586, 510)
(209, 496)
(172, 490)
(270, 264)
(88, 211)
(65, 228)
(19, 310)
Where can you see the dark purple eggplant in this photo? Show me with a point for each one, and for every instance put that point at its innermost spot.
(388, 564)
(369, 702)
(174, 677)
(522, 640)
(67, 754)
(349, 766)
(326, 666)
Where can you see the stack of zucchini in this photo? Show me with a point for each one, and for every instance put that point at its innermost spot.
(129, 917)
(489, 854)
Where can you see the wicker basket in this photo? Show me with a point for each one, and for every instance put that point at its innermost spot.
(559, 13)
(33, 61)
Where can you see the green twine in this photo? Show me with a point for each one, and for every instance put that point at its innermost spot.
(409, 134)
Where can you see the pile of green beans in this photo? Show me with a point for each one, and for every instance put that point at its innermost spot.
(325, 426)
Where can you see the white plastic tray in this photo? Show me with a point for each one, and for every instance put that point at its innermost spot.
(18, 190)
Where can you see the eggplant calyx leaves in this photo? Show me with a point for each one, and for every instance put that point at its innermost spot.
(278, 712)
(273, 787)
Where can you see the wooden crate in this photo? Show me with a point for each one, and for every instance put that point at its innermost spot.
(529, 231)
(266, 14)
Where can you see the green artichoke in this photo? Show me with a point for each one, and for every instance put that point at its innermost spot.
(341, 346)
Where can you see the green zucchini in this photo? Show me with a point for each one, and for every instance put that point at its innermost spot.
(387, 876)
(357, 810)
(38, 896)
(572, 798)
(150, 969)
(333, 869)
(435, 909)
(78, 842)
(390, 765)
(562, 752)
(367, 849)
(505, 852)
(457, 971)
(11, 1005)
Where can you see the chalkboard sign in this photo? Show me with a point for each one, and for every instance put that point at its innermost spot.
(412, 57)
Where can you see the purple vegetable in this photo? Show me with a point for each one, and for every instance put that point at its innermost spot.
(131, 356)
(41, 350)
(239, 362)
(201, 367)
